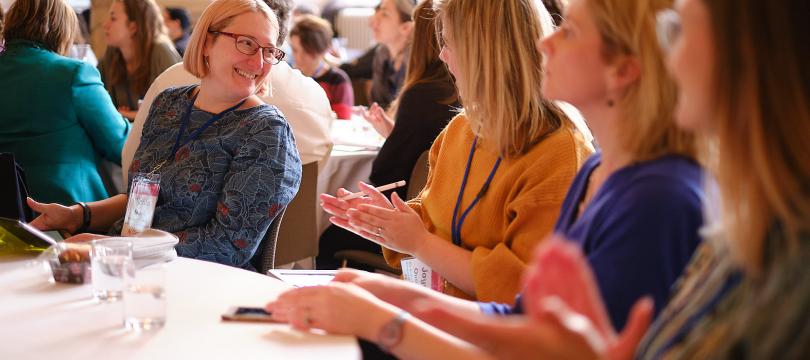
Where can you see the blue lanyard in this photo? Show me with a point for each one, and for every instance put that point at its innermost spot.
(455, 226)
(318, 69)
(186, 118)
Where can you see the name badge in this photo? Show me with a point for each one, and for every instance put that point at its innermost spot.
(417, 272)
(143, 197)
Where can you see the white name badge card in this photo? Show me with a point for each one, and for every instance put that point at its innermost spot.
(417, 272)
(141, 204)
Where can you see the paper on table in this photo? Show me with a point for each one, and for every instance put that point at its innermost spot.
(356, 132)
(302, 278)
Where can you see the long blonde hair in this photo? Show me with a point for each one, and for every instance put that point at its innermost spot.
(762, 87)
(496, 53)
(648, 105)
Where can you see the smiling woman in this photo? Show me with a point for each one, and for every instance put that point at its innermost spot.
(227, 161)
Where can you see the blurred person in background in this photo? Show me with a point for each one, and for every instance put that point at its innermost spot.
(392, 25)
(178, 25)
(385, 63)
(76, 122)
(311, 40)
(138, 50)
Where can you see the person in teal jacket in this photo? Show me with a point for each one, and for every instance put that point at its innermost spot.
(55, 115)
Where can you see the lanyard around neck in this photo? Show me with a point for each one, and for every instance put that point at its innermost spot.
(455, 226)
(186, 119)
(318, 69)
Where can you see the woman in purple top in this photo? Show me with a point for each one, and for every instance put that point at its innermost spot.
(635, 207)
(638, 232)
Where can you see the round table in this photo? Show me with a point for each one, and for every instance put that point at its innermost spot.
(41, 320)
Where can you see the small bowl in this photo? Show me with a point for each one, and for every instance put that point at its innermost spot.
(69, 263)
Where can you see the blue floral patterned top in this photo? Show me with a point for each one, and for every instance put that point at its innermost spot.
(222, 190)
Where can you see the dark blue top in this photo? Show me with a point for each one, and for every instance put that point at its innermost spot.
(221, 191)
(638, 232)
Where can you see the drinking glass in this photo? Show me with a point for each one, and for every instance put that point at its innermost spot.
(145, 298)
(110, 259)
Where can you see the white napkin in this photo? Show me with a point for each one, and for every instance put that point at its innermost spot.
(152, 246)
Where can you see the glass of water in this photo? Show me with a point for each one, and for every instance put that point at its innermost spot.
(145, 298)
(110, 259)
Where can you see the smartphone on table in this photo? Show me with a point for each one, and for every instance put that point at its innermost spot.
(249, 314)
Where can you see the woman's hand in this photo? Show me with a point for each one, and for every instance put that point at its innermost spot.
(553, 331)
(337, 308)
(84, 237)
(377, 117)
(394, 291)
(338, 208)
(399, 229)
(56, 217)
(560, 270)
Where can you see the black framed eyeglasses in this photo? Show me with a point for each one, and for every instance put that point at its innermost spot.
(249, 46)
(668, 29)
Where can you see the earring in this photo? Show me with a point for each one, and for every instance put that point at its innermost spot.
(205, 61)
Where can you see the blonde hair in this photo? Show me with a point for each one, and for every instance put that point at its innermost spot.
(216, 17)
(51, 23)
(496, 53)
(762, 87)
(648, 105)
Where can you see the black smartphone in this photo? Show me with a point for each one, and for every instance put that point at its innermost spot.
(250, 314)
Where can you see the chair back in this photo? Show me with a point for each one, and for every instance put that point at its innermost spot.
(298, 235)
(419, 175)
(264, 258)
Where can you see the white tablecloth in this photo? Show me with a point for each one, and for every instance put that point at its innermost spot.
(39, 320)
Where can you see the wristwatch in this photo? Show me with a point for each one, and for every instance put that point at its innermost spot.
(391, 333)
(85, 217)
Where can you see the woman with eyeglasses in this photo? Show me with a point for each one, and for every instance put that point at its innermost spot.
(227, 161)
(138, 50)
(744, 80)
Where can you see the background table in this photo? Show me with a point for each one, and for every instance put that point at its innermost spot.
(356, 146)
(39, 320)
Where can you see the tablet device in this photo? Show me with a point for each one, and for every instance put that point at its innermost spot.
(26, 233)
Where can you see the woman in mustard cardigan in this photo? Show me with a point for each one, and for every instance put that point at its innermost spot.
(499, 171)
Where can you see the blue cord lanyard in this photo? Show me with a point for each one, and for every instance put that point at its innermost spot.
(186, 118)
(318, 69)
(184, 123)
(455, 226)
